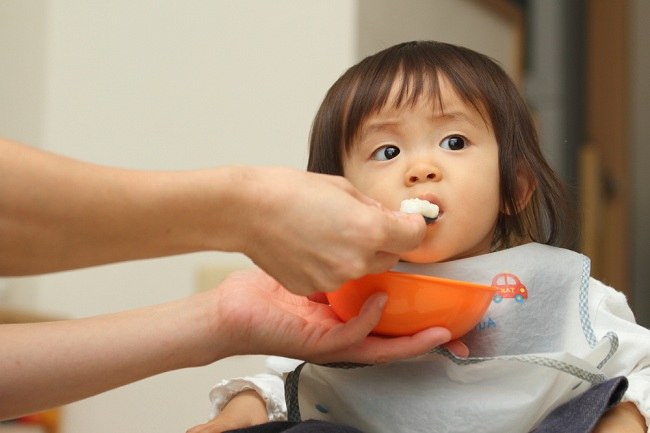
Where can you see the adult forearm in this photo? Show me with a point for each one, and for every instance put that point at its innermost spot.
(57, 213)
(311, 232)
(49, 364)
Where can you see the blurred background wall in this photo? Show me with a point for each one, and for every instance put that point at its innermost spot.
(640, 157)
(162, 84)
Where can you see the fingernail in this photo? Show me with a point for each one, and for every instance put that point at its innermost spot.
(382, 299)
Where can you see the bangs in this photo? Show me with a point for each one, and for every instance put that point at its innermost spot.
(401, 77)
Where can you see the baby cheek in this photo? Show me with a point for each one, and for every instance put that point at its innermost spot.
(483, 213)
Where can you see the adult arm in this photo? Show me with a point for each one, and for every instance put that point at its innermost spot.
(49, 364)
(310, 231)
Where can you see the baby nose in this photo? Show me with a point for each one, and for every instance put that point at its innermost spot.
(423, 173)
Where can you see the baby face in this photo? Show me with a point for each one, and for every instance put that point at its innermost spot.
(449, 158)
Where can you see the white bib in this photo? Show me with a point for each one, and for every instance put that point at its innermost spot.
(534, 349)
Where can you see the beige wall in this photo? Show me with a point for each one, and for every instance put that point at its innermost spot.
(470, 23)
(22, 62)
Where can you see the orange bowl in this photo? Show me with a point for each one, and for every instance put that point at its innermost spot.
(415, 302)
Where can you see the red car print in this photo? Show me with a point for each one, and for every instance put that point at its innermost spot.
(509, 287)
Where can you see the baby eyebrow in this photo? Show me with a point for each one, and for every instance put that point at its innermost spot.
(457, 116)
(379, 126)
(393, 124)
(462, 117)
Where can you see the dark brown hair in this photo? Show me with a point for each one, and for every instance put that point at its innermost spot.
(364, 89)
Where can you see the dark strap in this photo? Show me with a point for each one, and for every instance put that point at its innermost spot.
(291, 387)
(291, 394)
(582, 413)
(270, 427)
(310, 426)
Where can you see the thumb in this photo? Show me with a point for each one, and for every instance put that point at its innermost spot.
(405, 232)
(358, 327)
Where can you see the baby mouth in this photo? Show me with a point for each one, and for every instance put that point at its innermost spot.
(421, 206)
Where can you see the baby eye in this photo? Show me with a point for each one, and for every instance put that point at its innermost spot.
(385, 153)
(454, 142)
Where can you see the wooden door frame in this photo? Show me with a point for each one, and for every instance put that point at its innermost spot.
(605, 188)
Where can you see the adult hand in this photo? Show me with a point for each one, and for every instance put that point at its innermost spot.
(256, 315)
(312, 232)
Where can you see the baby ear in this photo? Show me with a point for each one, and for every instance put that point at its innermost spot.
(523, 191)
(525, 188)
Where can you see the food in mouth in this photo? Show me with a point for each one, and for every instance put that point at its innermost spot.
(423, 207)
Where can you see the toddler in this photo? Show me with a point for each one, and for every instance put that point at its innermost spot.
(445, 124)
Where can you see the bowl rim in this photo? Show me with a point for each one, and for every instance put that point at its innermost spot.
(431, 278)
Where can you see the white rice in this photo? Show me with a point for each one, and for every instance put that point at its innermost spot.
(422, 207)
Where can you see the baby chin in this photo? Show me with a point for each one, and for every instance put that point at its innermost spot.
(425, 254)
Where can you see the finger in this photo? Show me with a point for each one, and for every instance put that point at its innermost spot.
(401, 224)
(357, 328)
(395, 348)
(405, 232)
(365, 199)
(458, 348)
(382, 262)
(345, 184)
(357, 346)
(369, 314)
